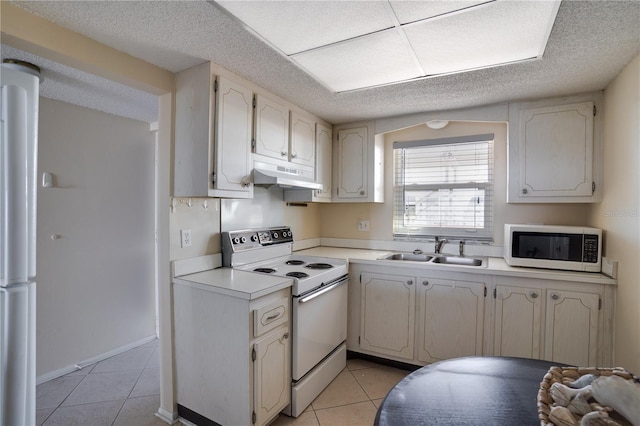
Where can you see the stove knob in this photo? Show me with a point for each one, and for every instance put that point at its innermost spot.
(236, 240)
(254, 238)
(243, 239)
(275, 235)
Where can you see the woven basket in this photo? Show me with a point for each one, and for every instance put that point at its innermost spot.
(566, 375)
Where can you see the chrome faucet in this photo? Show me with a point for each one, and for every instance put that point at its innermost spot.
(439, 244)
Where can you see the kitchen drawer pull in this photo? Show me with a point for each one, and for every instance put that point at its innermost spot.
(283, 153)
(555, 296)
(534, 295)
(425, 283)
(410, 282)
(272, 317)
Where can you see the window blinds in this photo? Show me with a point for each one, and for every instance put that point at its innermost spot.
(444, 187)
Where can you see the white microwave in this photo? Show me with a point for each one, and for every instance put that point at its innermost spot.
(571, 248)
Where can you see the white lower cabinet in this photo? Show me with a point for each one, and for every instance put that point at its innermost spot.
(518, 313)
(388, 314)
(402, 314)
(450, 318)
(271, 374)
(571, 330)
(232, 355)
(419, 319)
(564, 322)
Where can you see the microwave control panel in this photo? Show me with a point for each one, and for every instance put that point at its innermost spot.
(590, 253)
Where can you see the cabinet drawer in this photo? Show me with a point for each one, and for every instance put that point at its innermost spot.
(270, 316)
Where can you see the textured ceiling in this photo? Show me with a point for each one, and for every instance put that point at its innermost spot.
(590, 43)
(70, 85)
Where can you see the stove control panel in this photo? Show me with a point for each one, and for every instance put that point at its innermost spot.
(255, 238)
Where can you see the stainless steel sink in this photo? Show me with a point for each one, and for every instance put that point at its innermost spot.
(409, 256)
(442, 260)
(453, 260)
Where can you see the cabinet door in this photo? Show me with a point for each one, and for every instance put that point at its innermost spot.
(387, 314)
(517, 321)
(323, 161)
(272, 128)
(352, 163)
(302, 141)
(232, 156)
(451, 319)
(571, 331)
(556, 150)
(272, 375)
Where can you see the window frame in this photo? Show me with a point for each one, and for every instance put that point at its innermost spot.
(401, 232)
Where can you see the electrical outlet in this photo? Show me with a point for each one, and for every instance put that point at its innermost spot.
(363, 225)
(185, 238)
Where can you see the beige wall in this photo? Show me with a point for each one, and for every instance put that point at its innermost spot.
(341, 220)
(619, 212)
(96, 282)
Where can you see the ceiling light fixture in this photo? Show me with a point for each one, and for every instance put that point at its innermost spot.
(349, 46)
(437, 124)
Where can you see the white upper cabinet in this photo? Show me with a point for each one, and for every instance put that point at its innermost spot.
(212, 136)
(272, 128)
(554, 150)
(323, 162)
(302, 142)
(359, 162)
(322, 171)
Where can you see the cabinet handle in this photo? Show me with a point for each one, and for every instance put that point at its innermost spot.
(294, 155)
(425, 283)
(534, 295)
(245, 182)
(272, 317)
(555, 296)
(525, 191)
(285, 337)
(283, 153)
(361, 192)
(410, 282)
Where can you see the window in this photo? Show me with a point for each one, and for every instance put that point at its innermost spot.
(443, 187)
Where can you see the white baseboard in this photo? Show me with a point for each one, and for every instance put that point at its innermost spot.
(167, 416)
(82, 364)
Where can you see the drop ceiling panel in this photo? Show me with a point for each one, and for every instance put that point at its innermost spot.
(376, 59)
(296, 26)
(411, 11)
(498, 33)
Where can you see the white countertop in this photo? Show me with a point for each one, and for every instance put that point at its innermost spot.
(232, 282)
(495, 265)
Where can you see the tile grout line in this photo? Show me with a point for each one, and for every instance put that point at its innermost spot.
(128, 396)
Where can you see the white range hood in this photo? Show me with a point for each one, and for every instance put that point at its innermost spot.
(266, 174)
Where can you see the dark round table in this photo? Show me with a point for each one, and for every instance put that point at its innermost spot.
(467, 391)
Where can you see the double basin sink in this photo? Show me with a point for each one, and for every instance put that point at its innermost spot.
(436, 258)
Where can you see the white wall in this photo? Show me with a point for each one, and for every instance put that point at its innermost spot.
(619, 212)
(96, 287)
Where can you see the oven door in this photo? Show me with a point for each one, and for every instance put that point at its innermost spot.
(319, 325)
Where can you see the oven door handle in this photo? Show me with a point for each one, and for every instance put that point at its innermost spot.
(322, 291)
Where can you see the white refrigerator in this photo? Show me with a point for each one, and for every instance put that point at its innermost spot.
(18, 176)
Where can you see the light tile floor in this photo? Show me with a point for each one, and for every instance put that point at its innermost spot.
(121, 390)
(352, 398)
(124, 390)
